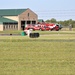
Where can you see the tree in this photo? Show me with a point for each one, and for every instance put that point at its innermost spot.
(48, 21)
(64, 23)
(53, 20)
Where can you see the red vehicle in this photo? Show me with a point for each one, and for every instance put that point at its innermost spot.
(52, 26)
(45, 28)
(33, 27)
(56, 28)
(36, 28)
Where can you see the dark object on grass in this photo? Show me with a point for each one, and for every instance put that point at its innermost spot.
(34, 35)
(10, 34)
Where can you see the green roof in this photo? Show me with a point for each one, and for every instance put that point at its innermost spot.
(5, 20)
(11, 12)
(40, 20)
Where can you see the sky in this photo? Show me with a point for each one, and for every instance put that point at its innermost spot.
(45, 9)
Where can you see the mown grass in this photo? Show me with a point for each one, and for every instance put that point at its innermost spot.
(41, 32)
(46, 55)
(54, 32)
(10, 31)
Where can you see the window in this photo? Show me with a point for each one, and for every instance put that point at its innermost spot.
(33, 22)
(28, 14)
(9, 26)
(3, 26)
(6, 26)
(14, 26)
(28, 22)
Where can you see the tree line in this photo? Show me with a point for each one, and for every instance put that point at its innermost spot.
(65, 23)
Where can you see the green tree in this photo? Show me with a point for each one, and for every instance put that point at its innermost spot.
(64, 23)
(48, 21)
(53, 20)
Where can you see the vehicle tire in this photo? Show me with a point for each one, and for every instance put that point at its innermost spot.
(31, 29)
(40, 29)
(51, 29)
(28, 28)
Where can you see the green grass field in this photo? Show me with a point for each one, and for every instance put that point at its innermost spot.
(51, 54)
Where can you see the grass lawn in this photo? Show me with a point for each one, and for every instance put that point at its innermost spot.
(52, 54)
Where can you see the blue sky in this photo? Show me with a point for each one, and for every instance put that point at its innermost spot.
(46, 9)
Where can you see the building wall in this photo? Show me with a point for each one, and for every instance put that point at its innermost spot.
(10, 27)
(12, 17)
(32, 15)
(28, 15)
(1, 27)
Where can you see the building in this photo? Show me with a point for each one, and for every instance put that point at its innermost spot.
(16, 19)
(40, 20)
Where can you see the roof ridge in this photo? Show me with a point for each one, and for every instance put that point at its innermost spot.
(14, 9)
(15, 12)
